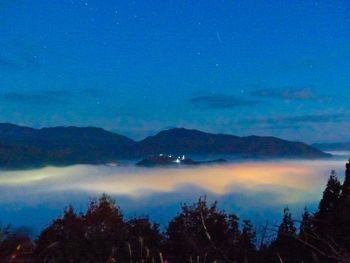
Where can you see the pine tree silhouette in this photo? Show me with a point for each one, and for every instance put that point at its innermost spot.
(328, 212)
(346, 184)
(246, 242)
(286, 247)
(306, 226)
(286, 228)
(343, 223)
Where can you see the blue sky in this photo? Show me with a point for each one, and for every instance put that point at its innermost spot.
(276, 68)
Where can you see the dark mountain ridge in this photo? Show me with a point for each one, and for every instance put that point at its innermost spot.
(27, 147)
(23, 147)
(180, 140)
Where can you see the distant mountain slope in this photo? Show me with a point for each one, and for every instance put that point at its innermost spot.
(184, 141)
(22, 147)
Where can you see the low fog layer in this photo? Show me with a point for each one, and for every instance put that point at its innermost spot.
(32, 197)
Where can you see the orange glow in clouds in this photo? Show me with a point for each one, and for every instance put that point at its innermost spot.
(293, 180)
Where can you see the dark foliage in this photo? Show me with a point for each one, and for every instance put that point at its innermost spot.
(204, 233)
(99, 235)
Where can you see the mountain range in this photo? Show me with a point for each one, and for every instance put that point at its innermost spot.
(23, 147)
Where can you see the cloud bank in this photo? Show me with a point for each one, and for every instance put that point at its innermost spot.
(220, 101)
(303, 94)
(312, 118)
(35, 97)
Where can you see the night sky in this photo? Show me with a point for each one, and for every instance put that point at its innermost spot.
(277, 68)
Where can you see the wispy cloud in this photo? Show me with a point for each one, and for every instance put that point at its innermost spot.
(220, 101)
(311, 118)
(44, 97)
(36, 97)
(302, 94)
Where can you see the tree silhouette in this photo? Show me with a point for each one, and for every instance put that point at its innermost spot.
(346, 184)
(328, 216)
(145, 241)
(286, 228)
(105, 230)
(285, 248)
(246, 243)
(306, 225)
(343, 224)
(200, 231)
(63, 239)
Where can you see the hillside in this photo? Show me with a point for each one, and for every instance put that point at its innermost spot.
(22, 147)
(184, 141)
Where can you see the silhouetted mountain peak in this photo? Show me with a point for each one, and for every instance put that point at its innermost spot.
(22, 146)
(190, 141)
